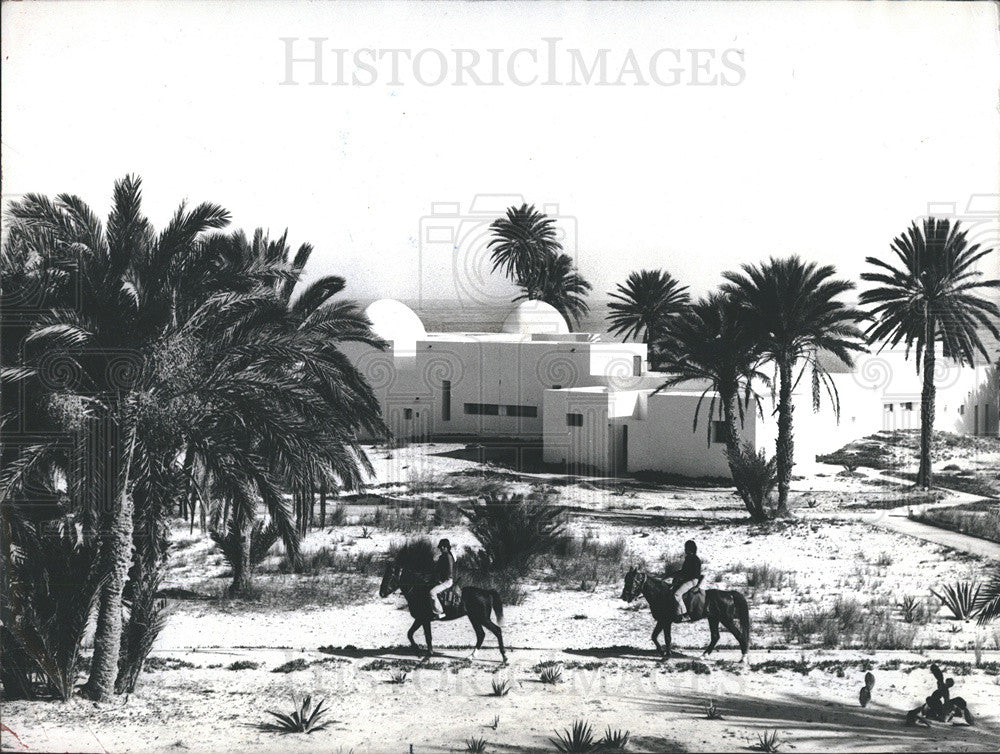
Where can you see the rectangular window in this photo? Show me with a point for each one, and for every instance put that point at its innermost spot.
(908, 406)
(637, 366)
(446, 400)
(574, 420)
(720, 432)
(530, 411)
(557, 387)
(961, 410)
(408, 414)
(888, 408)
(482, 409)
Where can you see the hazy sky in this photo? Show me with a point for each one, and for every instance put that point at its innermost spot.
(844, 123)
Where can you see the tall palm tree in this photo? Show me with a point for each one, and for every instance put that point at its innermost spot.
(557, 282)
(711, 342)
(98, 327)
(644, 304)
(522, 242)
(928, 295)
(797, 318)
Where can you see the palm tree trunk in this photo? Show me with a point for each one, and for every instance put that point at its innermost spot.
(785, 446)
(187, 498)
(116, 557)
(322, 504)
(242, 569)
(731, 414)
(927, 398)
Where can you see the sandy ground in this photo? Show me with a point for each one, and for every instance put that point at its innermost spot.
(834, 549)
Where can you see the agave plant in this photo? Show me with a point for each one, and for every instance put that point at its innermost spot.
(501, 687)
(768, 741)
(303, 719)
(551, 675)
(960, 598)
(987, 605)
(576, 739)
(475, 745)
(614, 740)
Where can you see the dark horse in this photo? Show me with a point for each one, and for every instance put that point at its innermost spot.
(726, 607)
(476, 603)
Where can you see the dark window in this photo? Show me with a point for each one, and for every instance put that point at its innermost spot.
(531, 411)
(446, 400)
(557, 387)
(908, 406)
(407, 413)
(574, 420)
(961, 410)
(888, 408)
(637, 366)
(720, 432)
(482, 409)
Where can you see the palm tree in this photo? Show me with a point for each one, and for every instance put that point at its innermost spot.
(711, 342)
(522, 242)
(927, 297)
(557, 282)
(644, 304)
(797, 318)
(99, 325)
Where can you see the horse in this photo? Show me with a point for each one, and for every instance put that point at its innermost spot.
(475, 602)
(719, 606)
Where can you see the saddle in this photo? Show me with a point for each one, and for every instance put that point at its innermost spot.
(451, 601)
(694, 602)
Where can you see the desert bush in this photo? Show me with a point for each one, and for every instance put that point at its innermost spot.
(614, 740)
(766, 576)
(514, 529)
(291, 666)
(981, 519)
(262, 539)
(881, 631)
(243, 665)
(329, 559)
(959, 598)
(768, 741)
(916, 610)
(578, 561)
(755, 478)
(501, 687)
(414, 553)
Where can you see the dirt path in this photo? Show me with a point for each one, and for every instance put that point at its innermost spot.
(441, 704)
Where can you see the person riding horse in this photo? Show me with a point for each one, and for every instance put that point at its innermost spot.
(445, 572)
(687, 578)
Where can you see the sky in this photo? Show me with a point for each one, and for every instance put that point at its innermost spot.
(821, 129)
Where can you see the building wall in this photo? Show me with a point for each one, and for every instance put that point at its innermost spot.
(598, 441)
(665, 441)
(496, 382)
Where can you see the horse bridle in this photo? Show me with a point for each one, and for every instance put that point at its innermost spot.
(638, 583)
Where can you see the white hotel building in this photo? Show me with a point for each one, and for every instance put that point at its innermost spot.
(592, 402)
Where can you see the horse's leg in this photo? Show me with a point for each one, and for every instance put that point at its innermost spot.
(713, 627)
(480, 635)
(667, 639)
(497, 632)
(656, 632)
(731, 626)
(427, 635)
(409, 634)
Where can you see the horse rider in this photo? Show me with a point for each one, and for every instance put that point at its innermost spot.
(687, 578)
(445, 573)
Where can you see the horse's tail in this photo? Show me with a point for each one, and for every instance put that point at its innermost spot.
(743, 613)
(497, 604)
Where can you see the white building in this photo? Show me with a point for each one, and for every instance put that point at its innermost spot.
(594, 404)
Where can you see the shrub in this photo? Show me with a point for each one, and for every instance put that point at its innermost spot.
(398, 676)
(959, 598)
(755, 478)
(262, 539)
(575, 560)
(767, 576)
(291, 666)
(303, 719)
(915, 610)
(614, 740)
(243, 665)
(768, 741)
(501, 687)
(514, 529)
(51, 586)
(146, 619)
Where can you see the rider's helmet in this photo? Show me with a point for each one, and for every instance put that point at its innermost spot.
(444, 543)
(690, 547)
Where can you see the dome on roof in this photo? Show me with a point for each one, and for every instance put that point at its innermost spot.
(531, 317)
(393, 320)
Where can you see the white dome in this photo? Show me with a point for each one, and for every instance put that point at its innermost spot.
(530, 317)
(393, 320)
